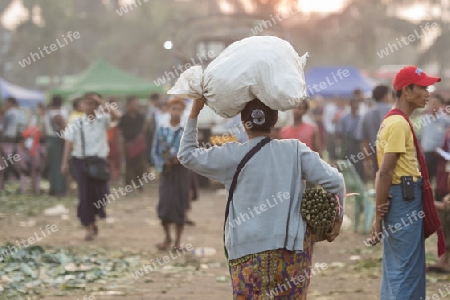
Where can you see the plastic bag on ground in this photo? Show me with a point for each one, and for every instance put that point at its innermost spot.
(56, 210)
(263, 67)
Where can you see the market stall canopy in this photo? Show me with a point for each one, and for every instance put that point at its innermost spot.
(339, 81)
(25, 97)
(108, 80)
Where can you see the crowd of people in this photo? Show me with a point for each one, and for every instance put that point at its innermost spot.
(58, 144)
(345, 130)
(89, 145)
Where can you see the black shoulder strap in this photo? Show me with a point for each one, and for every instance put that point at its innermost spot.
(83, 146)
(241, 165)
(50, 121)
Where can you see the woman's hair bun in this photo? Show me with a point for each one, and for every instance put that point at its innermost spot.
(261, 117)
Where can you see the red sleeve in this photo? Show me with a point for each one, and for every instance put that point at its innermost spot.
(286, 133)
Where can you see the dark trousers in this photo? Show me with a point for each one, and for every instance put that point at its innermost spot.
(134, 167)
(92, 195)
(9, 165)
(331, 146)
(55, 150)
(359, 167)
(431, 160)
(351, 150)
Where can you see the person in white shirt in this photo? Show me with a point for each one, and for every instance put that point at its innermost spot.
(88, 139)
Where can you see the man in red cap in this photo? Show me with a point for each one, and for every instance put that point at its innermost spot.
(410, 216)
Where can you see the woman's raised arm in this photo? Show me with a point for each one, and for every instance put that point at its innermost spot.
(216, 162)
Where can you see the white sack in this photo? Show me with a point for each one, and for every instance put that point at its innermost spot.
(263, 67)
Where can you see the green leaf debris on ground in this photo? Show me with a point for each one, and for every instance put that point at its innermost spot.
(31, 270)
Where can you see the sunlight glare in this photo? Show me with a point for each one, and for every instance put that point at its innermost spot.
(14, 15)
(321, 6)
(414, 13)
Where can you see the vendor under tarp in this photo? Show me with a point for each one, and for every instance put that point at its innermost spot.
(108, 80)
(25, 97)
(341, 81)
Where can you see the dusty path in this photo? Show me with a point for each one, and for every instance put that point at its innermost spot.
(353, 270)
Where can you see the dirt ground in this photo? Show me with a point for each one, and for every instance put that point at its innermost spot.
(353, 270)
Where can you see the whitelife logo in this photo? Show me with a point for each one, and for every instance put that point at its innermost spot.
(202, 58)
(33, 57)
(263, 207)
(31, 240)
(405, 41)
(272, 22)
(124, 9)
(316, 88)
(11, 158)
(128, 189)
(282, 287)
(145, 269)
(76, 123)
(415, 216)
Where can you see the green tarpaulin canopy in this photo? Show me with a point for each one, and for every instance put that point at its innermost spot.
(108, 80)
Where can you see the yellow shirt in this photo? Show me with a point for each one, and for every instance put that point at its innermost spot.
(74, 115)
(395, 136)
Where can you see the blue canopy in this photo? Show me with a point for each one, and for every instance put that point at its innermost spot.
(25, 97)
(338, 81)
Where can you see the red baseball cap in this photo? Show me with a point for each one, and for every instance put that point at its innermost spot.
(413, 75)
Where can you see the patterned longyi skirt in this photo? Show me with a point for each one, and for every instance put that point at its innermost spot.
(276, 274)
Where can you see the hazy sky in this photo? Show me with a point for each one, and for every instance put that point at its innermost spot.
(15, 13)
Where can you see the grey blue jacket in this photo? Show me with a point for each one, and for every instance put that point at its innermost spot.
(265, 211)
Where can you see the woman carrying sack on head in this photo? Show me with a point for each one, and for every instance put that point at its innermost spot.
(266, 239)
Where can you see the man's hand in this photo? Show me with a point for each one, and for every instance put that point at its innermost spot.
(367, 171)
(197, 106)
(383, 209)
(64, 168)
(174, 160)
(439, 205)
(99, 100)
(333, 234)
(168, 163)
(444, 205)
(376, 234)
(448, 180)
(446, 202)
